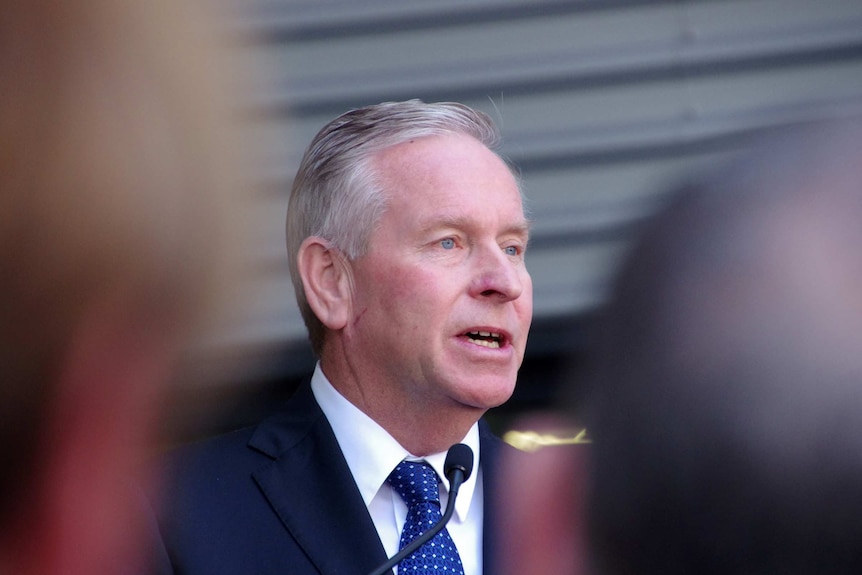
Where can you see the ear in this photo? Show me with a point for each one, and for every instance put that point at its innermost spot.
(327, 279)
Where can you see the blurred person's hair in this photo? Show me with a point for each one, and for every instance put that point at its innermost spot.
(726, 408)
(336, 193)
(114, 177)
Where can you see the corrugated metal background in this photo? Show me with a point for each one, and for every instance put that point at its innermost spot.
(602, 103)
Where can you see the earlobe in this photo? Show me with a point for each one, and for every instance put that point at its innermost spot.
(326, 279)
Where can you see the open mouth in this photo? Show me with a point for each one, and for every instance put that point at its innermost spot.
(490, 339)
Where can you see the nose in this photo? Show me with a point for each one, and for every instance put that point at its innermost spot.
(496, 275)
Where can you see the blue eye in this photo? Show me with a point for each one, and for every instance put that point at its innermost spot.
(511, 250)
(447, 244)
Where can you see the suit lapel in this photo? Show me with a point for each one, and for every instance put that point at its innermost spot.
(310, 487)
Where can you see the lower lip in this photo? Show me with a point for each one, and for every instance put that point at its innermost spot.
(505, 348)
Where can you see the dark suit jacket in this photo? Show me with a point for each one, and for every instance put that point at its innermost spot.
(279, 499)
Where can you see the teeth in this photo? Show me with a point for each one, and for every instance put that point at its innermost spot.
(485, 334)
(493, 343)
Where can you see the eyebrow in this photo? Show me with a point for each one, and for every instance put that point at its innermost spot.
(521, 228)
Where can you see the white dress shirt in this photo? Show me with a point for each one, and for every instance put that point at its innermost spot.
(372, 454)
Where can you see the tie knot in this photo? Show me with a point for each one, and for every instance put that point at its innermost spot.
(415, 481)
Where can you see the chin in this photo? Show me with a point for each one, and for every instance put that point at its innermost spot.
(488, 394)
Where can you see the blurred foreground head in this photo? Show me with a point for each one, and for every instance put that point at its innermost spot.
(726, 412)
(114, 174)
(725, 406)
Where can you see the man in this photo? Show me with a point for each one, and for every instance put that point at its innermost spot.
(113, 183)
(726, 405)
(406, 236)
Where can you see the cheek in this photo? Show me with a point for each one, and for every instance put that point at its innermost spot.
(397, 296)
(404, 286)
(525, 302)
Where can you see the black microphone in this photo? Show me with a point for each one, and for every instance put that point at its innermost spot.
(458, 467)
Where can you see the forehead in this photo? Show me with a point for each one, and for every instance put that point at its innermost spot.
(448, 174)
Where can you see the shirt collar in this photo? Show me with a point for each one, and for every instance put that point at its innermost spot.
(372, 453)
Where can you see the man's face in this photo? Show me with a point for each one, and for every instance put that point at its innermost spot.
(442, 298)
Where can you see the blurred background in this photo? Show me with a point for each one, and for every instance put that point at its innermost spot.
(603, 104)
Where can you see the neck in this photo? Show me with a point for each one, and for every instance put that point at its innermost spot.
(432, 437)
(421, 424)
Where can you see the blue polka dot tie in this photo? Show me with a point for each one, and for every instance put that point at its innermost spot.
(416, 483)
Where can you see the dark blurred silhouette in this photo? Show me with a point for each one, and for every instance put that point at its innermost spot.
(725, 405)
(115, 174)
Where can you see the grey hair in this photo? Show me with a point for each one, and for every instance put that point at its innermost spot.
(336, 194)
